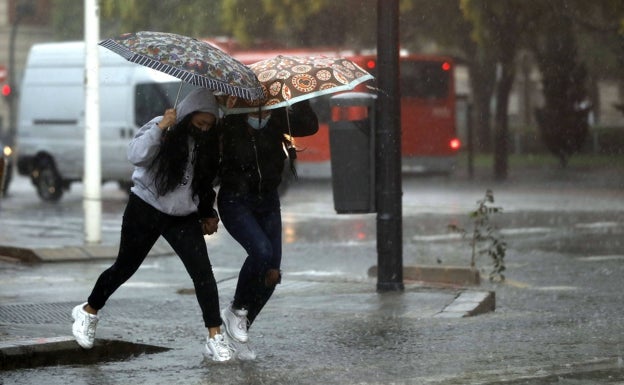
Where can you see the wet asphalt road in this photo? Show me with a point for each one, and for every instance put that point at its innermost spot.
(558, 317)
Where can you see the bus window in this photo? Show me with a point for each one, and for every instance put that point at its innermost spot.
(424, 80)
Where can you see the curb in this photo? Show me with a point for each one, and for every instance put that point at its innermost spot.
(73, 253)
(454, 275)
(469, 303)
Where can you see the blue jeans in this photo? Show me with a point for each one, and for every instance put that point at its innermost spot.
(255, 222)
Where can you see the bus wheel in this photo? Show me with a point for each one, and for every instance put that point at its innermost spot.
(47, 180)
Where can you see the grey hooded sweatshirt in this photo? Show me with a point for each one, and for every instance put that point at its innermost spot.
(144, 147)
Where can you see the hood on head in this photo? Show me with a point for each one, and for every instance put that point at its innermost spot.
(200, 99)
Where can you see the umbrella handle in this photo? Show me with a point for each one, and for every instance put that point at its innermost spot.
(288, 123)
(176, 100)
(178, 95)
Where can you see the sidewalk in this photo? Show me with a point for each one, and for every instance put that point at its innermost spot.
(29, 342)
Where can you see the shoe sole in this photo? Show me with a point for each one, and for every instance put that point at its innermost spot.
(227, 329)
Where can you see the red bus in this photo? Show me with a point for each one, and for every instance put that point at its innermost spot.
(429, 142)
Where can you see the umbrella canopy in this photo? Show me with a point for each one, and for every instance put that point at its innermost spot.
(193, 61)
(287, 80)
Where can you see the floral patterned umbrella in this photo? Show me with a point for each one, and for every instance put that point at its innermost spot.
(188, 59)
(287, 80)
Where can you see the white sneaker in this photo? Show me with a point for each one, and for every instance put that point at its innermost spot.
(244, 352)
(217, 349)
(240, 350)
(235, 322)
(84, 326)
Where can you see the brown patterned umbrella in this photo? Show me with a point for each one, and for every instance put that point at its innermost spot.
(287, 80)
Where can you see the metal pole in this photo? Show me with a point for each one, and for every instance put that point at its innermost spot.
(388, 150)
(470, 122)
(12, 82)
(92, 196)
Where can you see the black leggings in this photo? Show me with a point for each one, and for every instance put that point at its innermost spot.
(142, 225)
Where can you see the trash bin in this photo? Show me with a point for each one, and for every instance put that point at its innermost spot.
(352, 152)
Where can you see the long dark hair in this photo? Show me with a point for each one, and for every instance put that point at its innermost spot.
(170, 162)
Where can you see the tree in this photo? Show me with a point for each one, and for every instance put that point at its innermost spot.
(189, 17)
(563, 119)
(599, 32)
(301, 23)
(68, 19)
(498, 29)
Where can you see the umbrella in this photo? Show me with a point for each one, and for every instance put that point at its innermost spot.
(193, 61)
(287, 80)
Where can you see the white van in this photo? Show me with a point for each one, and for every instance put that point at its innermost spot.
(50, 130)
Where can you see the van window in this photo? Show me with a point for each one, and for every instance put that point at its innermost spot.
(152, 99)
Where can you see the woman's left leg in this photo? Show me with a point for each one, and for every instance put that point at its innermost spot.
(268, 215)
(255, 223)
(185, 237)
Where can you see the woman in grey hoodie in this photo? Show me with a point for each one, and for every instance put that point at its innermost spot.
(174, 155)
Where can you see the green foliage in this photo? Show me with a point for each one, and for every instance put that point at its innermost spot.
(196, 18)
(485, 238)
(298, 23)
(68, 19)
(441, 21)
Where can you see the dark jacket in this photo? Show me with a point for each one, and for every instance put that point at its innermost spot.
(253, 160)
(206, 171)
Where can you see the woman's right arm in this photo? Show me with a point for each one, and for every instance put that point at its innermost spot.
(143, 148)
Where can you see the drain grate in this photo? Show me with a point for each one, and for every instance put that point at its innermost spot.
(120, 310)
(39, 313)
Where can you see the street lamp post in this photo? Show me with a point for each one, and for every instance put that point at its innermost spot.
(388, 151)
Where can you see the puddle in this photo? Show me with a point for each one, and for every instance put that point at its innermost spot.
(37, 352)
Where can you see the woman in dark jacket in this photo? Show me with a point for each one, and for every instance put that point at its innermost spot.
(254, 148)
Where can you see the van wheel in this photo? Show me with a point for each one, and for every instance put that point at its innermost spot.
(47, 180)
